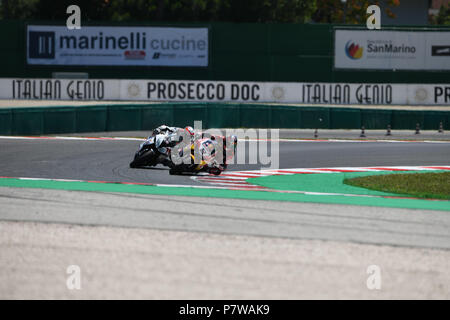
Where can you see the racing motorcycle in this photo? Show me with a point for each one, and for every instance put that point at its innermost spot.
(207, 156)
(149, 154)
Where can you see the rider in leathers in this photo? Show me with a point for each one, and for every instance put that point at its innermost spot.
(168, 137)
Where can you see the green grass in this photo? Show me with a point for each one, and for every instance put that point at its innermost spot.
(422, 185)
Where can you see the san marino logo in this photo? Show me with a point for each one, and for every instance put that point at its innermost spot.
(353, 50)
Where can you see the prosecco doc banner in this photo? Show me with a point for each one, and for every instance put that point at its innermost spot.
(225, 91)
(118, 46)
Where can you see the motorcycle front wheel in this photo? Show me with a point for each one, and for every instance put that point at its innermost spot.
(143, 159)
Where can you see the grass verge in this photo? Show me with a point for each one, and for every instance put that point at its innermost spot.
(428, 185)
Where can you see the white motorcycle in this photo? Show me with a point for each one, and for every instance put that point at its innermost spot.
(153, 151)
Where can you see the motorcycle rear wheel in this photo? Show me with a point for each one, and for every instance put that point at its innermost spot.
(215, 171)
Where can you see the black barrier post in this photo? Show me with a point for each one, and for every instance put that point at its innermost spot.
(316, 133)
(441, 127)
(388, 133)
(363, 132)
(417, 128)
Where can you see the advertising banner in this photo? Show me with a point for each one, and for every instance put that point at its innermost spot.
(59, 89)
(226, 91)
(203, 91)
(118, 46)
(279, 92)
(391, 50)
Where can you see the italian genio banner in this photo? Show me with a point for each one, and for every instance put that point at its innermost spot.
(392, 50)
(117, 46)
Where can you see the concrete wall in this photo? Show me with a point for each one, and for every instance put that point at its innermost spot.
(52, 120)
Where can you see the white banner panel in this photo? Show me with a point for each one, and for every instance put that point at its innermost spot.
(179, 90)
(391, 50)
(420, 94)
(117, 46)
(226, 91)
(209, 91)
(59, 89)
(352, 93)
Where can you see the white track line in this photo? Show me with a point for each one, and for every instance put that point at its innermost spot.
(240, 141)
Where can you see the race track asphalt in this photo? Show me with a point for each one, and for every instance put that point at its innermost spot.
(107, 160)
